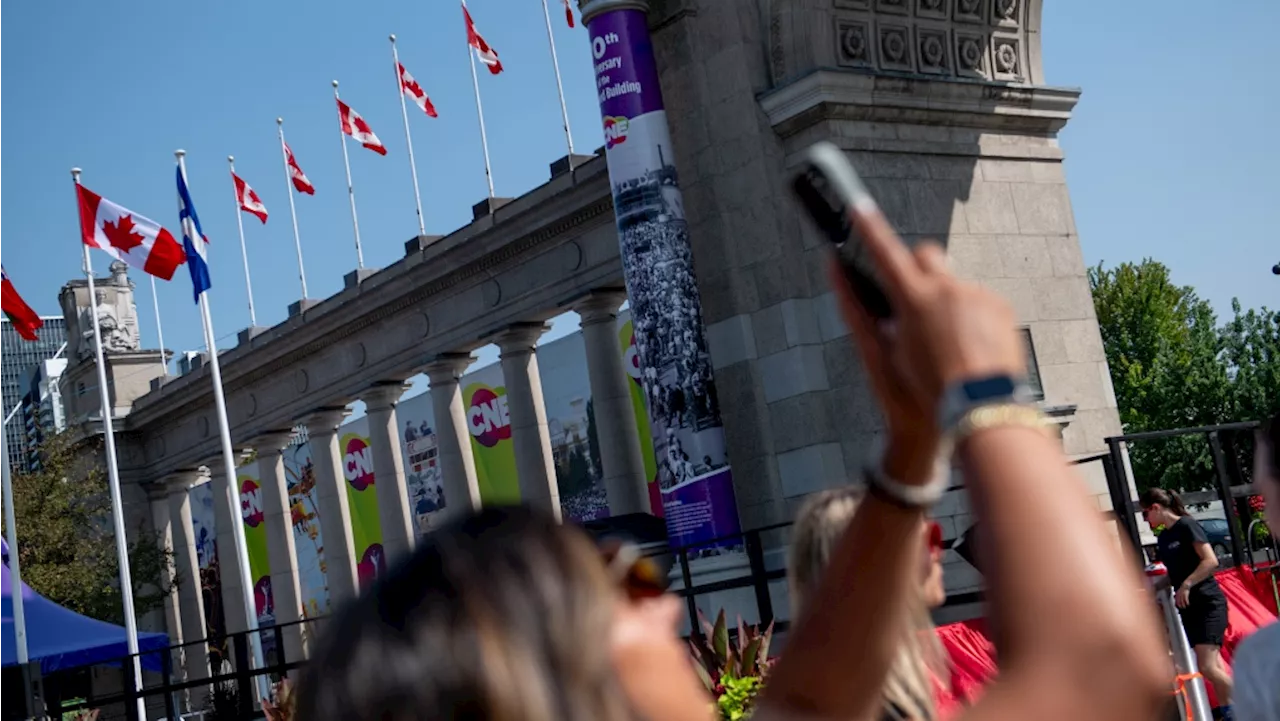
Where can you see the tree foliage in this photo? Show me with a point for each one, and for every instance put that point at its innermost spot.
(1172, 366)
(66, 541)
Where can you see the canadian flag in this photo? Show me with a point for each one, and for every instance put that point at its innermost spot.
(248, 199)
(356, 127)
(568, 13)
(410, 87)
(487, 55)
(25, 321)
(127, 236)
(299, 178)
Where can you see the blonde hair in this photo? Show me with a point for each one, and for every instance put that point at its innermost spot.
(920, 660)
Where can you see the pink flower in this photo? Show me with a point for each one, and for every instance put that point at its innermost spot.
(1257, 504)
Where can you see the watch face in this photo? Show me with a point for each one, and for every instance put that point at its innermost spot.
(994, 387)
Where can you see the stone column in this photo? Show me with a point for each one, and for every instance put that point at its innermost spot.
(341, 564)
(398, 539)
(620, 454)
(232, 595)
(534, 465)
(282, 557)
(162, 521)
(187, 562)
(453, 440)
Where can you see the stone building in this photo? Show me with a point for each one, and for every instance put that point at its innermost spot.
(941, 104)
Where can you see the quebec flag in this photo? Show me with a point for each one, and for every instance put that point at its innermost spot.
(193, 240)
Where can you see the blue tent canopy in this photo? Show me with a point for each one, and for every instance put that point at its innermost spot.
(61, 638)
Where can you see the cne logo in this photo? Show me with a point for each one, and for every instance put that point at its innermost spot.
(357, 463)
(251, 503)
(631, 360)
(615, 130)
(488, 418)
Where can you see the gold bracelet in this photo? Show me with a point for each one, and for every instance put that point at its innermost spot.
(999, 416)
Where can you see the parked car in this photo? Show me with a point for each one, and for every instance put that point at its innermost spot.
(1219, 535)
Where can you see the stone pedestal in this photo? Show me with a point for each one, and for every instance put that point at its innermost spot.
(282, 556)
(356, 277)
(535, 465)
(398, 539)
(298, 307)
(341, 564)
(620, 454)
(453, 441)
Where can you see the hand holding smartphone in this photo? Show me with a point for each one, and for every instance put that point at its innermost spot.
(831, 191)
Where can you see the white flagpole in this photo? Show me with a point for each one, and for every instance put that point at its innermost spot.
(293, 212)
(408, 140)
(229, 460)
(113, 478)
(15, 572)
(351, 193)
(555, 63)
(155, 301)
(244, 254)
(484, 139)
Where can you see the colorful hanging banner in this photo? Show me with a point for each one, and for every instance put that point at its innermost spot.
(366, 530)
(490, 424)
(657, 262)
(255, 538)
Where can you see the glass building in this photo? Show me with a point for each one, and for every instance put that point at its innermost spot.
(17, 358)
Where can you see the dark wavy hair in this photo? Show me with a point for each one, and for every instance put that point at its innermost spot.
(1168, 499)
(500, 616)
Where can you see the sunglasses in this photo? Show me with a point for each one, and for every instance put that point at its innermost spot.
(935, 536)
(636, 574)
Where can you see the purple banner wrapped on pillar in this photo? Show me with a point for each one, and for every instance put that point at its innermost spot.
(688, 437)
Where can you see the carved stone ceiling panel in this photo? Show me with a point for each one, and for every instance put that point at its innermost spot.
(973, 39)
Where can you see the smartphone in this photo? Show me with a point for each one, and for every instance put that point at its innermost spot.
(830, 189)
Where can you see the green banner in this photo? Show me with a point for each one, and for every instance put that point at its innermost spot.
(631, 361)
(489, 422)
(366, 529)
(255, 538)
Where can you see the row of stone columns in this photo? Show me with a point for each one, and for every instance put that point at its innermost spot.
(623, 470)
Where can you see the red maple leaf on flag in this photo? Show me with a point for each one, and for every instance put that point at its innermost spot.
(120, 233)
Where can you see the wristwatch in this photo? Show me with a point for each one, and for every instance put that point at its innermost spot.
(961, 398)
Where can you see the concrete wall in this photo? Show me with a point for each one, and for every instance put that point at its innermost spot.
(968, 157)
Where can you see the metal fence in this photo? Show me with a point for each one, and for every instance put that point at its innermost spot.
(1229, 446)
(230, 691)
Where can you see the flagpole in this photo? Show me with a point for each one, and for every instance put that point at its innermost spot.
(351, 193)
(293, 212)
(404, 111)
(555, 63)
(113, 479)
(244, 254)
(484, 140)
(155, 301)
(229, 460)
(15, 572)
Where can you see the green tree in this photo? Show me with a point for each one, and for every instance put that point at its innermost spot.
(593, 438)
(66, 541)
(578, 475)
(1173, 367)
(1162, 348)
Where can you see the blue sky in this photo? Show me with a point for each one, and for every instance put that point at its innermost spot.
(1171, 152)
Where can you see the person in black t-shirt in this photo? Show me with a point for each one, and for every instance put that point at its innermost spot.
(1183, 547)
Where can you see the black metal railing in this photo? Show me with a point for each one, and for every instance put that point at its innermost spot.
(167, 691)
(1231, 483)
(230, 691)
